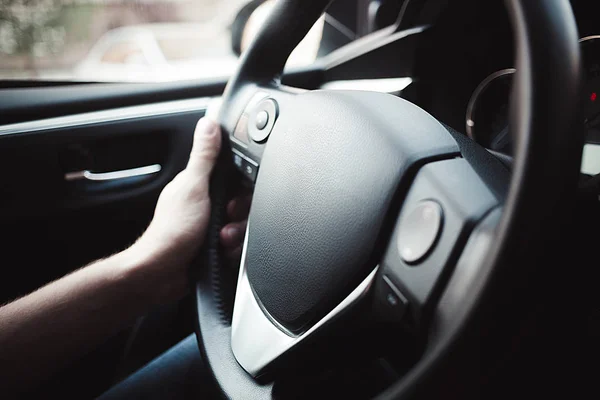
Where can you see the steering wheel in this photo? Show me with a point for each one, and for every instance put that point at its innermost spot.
(368, 209)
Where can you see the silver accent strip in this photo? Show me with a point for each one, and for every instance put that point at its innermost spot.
(368, 43)
(238, 142)
(242, 155)
(114, 115)
(383, 85)
(255, 340)
(475, 96)
(110, 176)
(591, 37)
(341, 28)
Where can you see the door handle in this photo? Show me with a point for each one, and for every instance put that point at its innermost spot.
(113, 175)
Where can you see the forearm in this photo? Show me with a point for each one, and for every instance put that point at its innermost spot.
(44, 331)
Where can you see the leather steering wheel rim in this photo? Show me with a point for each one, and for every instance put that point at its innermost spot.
(546, 121)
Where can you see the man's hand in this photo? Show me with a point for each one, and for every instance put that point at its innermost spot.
(181, 219)
(45, 330)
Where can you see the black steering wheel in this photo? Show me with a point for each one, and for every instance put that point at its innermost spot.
(367, 209)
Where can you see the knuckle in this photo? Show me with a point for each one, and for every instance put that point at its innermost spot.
(209, 150)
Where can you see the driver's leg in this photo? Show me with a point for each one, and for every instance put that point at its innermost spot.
(178, 373)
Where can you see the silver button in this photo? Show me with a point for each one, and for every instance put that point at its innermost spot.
(262, 119)
(419, 229)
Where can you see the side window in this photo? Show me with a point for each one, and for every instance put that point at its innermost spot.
(146, 40)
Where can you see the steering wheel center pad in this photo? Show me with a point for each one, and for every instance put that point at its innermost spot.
(330, 174)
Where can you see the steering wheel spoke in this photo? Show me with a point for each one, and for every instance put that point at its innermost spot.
(444, 203)
(257, 340)
(293, 280)
(446, 200)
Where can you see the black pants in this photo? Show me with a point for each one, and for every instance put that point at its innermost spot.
(178, 373)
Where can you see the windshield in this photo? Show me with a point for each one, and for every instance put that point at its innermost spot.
(132, 41)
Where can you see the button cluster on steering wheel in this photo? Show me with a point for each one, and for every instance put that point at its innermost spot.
(248, 167)
(248, 138)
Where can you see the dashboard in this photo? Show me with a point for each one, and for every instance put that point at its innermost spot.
(465, 74)
(486, 118)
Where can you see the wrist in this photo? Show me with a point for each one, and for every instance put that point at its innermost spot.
(158, 276)
(132, 266)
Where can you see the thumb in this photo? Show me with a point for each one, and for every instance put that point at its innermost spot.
(206, 147)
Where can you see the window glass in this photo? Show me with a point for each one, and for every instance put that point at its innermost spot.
(140, 40)
(123, 53)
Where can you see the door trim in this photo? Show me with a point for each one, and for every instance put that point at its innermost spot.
(112, 115)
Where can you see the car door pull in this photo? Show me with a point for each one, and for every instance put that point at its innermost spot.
(113, 175)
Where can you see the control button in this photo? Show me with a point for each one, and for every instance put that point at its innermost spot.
(418, 230)
(261, 119)
(250, 170)
(238, 161)
(247, 166)
(392, 303)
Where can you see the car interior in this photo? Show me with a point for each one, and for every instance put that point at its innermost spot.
(425, 208)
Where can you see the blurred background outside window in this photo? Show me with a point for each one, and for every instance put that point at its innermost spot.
(142, 40)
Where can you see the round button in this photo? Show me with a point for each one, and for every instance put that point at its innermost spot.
(418, 231)
(262, 118)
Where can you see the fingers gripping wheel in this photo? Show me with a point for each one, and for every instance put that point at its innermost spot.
(239, 159)
(340, 180)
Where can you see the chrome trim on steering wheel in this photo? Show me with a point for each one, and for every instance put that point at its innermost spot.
(256, 340)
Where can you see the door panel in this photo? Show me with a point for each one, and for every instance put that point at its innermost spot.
(53, 220)
(39, 160)
(55, 216)
(19, 104)
(51, 223)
